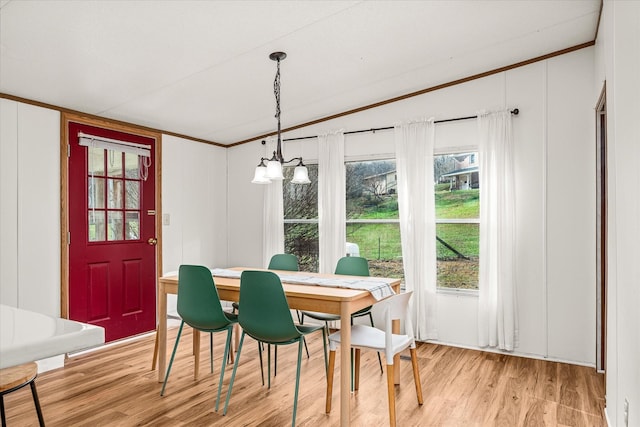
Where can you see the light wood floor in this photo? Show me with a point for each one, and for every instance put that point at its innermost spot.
(116, 387)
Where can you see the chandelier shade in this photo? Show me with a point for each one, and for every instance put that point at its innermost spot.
(272, 171)
(260, 175)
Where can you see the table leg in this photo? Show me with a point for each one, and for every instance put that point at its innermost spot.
(395, 328)
(345, 365)
(162, 332)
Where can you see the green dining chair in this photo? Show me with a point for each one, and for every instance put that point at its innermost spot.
(285, 262)
(282, 262)
(348, 266)
(199, 307)
(266, 317)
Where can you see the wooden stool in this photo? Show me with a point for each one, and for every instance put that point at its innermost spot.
(16, 377)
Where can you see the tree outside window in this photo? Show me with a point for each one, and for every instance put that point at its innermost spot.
(372, 215)
(300, 203)
(373, 221)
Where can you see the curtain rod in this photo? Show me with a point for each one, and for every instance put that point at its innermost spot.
(515, 112)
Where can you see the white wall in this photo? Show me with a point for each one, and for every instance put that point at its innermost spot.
(194, 205)
(29, 207)
(194, 181)
(555, 175)
(194, 202)
(618, 64)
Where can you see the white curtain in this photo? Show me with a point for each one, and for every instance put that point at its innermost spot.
(416, 202)
(331, 200)
(497, 305)
(273, 218)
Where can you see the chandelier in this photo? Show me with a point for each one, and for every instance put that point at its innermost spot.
(272, 171)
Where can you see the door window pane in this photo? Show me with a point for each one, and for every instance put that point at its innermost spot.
(133, 195)
(116, 229)
(132, 226)
(131, 166)
(96, 161)
(114, 163)
(114, 199)
(95, 190)
(96, 230)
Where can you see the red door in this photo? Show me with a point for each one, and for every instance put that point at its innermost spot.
(112, 252)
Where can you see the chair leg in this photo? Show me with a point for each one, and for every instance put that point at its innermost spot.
(275, 360)
(268, 366)
(416, 375)
(305, 346)
(392, 396)
(356, 381)
(211, 350)
(227, 347)
(2, 414)
(379, 358)
(173, 355)
(295, 397)
(260, 356)
(332, 362)
(36, 402)
(233, 375)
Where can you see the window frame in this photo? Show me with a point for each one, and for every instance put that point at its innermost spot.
(445, 151)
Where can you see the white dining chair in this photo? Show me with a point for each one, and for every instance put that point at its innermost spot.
(367, 337)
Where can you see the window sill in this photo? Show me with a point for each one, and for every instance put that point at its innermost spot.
(450, 291)
(458, 292)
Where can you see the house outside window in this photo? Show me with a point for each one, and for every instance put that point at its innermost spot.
(457, 200)
(372, 215)
(373, 224)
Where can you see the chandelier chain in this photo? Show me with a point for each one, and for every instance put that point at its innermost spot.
(276, 91)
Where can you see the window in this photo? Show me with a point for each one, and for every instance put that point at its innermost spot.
(372, 215)
(373, 225)
(457, 200)
(301, 218)
(113, 195)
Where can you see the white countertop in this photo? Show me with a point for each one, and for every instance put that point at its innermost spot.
(26, 336)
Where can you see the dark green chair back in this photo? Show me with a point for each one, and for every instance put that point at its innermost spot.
(265, 314)
(198, 300)
(353, 266)
(287, 262)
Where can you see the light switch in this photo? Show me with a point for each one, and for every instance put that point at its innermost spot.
(166, 220)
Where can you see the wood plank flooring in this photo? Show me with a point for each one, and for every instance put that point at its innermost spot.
(116, 387)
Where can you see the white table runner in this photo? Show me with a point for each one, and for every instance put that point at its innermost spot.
(379, 288)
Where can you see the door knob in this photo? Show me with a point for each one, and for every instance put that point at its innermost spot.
(152, 241)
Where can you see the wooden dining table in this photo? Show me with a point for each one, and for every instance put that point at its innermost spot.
(326, 299)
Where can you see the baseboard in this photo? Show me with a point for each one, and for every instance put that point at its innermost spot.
(514, 353)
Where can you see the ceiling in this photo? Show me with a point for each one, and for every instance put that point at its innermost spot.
(202, 69)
